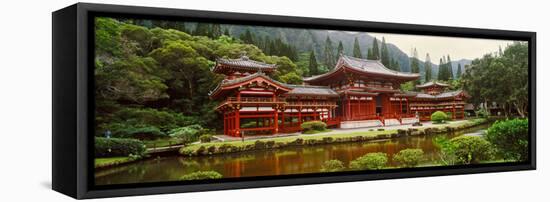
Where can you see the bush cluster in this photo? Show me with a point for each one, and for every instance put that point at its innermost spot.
(511, 138)
(370, 161)
(313, 127)
(332, 166)
(409, 157)
(110, 147)
(439, 117)
(202, 175)
(471, 149)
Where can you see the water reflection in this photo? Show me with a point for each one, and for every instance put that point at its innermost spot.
(294, 160)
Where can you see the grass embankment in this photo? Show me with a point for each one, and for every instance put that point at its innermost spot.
(163, 142)
(328, 138)
(112, 161)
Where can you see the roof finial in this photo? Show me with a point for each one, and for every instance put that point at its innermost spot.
(243, 55)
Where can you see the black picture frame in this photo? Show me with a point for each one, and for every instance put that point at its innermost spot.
(73, 99)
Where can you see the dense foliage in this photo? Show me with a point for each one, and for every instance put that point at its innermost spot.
(370, 161)
(409, 157)
(151, 80)
(189, 133)
(471, 149)
(439, 117)
(109, 147)
(511, 138)
(501, 78)
(313, 126)
(202, 175)
(332, 166)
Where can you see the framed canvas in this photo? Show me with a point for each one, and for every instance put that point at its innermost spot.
(157, 100)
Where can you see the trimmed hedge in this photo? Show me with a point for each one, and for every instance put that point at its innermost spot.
(370, 161)
(332, 166)
(110, 147)
(202, 175)
(205, 138)
(409, 157)
(511, 138)
(313, 126)
(471, 149)
(439, 117)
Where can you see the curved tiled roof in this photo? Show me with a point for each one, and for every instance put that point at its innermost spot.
(311, 90)
(367, 66)
(227, 82)
(432, 83)
(244, 63)
(449, 94)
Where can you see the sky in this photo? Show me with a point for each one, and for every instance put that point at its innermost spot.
(457, 48)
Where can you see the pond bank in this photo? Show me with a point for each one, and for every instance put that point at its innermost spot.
(214, 148)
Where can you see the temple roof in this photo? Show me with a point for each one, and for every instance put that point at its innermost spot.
(311, 90)
(432, 83)
(233, 83)
(374, 67)
(242, 63)
(443, 95)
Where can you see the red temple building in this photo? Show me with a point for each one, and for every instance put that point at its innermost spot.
(435, 98)
(356, 93)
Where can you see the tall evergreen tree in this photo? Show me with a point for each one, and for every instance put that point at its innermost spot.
(226, 32)
(216, 31)
(330, 61)
(450, 68)
(375, 50)
(459, 71)
(384, 53)
(201, 29)
(415, 65)
(441, 69)
(313, 66)
(428, 68)
(340, 50)
(356, 49)
(247, 37)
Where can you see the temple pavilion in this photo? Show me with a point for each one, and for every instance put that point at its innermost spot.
(356, 93)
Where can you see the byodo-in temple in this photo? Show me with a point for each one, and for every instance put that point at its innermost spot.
(356, 93)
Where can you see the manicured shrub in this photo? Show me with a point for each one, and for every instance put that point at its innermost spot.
(409, 157)
(332, 166)
(471, 149)
(205, 138)
(259, 144)
(109, 147)
(202, 175)
(189, 133)
(211, 149)
(511, 138)
(439, 117)
(313, 126)
(482, 113)
(370, 161)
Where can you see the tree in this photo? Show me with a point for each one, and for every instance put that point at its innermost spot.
(449, 68)
(202, 29)
(415, 65)
(441, 69)
(247, 37)
(511, 138)
(216, 31)
(384, 54)
(291, 78)
(330, 61)
(459, 71)
(485, 76)
(428, 68)
(340, 50)
(375, 50)
(357, 49)
(313, 66)
(226, 32)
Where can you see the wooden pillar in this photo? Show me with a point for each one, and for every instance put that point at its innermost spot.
(276, 121)
(348, 106)
(224, 123)
(283, 119)
(299, 115)
(237, 123)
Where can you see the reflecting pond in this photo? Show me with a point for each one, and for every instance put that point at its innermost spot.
(292, 160)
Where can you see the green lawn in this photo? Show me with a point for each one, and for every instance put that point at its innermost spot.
(108, 161)
(162, 142)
